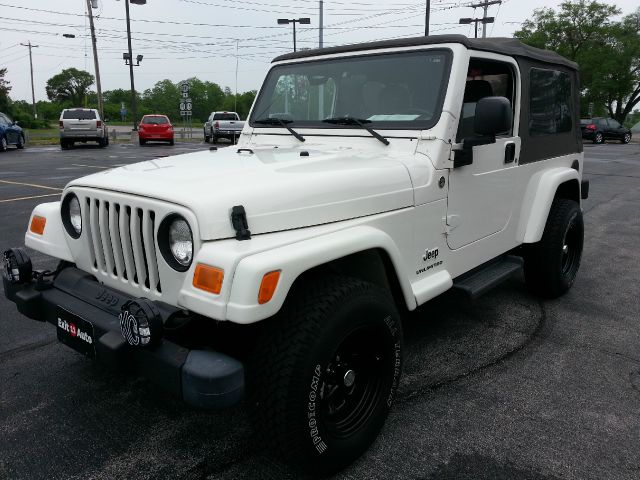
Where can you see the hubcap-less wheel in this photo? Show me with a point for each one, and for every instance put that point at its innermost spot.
(325, 372)
(353, 380)
(551, 265)
(570, 251)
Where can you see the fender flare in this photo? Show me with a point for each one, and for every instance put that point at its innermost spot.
(538, 197)
(294, 259)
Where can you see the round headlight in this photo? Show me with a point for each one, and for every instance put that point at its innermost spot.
(181, 241)
(72, 215)
(176, 242)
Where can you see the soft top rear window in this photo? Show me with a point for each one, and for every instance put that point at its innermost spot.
(79, 115)
(155, 120)
(225, 116)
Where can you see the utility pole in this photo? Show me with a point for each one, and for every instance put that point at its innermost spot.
(320, 32)
(134, 110)
(427, 16)
(485, 6)
(33, 91)
(95, 60)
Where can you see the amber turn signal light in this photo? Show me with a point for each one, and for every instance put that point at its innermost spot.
(37, 224)
(208, 278)
(268, 286)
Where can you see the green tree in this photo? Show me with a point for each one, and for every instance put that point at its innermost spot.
(70, 86)
(607, 51)
(4, 91)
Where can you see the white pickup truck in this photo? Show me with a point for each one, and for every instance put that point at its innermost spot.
(369, 179)
(223, 125)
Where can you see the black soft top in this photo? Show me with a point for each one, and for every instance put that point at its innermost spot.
(502, 45)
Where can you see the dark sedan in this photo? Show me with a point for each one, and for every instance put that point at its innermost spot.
(10, 133)
(600, 129)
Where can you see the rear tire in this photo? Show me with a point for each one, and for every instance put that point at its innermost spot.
(3, 144)
(171, 143)
(214, 139)
(323, 378)
(551, 265)
(598, 138)
(206, 137)
(142, 142)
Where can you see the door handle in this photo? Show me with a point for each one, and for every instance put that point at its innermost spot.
(509, 152)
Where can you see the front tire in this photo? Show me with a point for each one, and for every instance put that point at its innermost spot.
(325, 373)
(142, 142)
(551, 265)
(626, 138)
(20, 143)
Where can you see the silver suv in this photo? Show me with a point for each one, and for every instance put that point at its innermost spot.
(82, 125)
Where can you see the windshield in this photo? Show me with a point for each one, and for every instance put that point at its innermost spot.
(225, 116)
(155, 120)
(79, 114)
(392, 91)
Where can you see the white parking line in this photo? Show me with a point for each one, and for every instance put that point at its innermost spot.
(91, 166)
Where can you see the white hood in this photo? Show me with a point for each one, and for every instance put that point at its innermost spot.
(278, 188)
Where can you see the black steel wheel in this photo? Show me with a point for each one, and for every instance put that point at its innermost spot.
(551, 265)
(325, 372)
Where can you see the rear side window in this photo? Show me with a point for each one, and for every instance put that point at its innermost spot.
(79, 115)
(550, 100)
(225, 116)
(155, 120)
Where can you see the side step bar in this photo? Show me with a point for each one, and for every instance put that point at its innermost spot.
(488, 276)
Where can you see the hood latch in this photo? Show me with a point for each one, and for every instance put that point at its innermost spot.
(239, 222)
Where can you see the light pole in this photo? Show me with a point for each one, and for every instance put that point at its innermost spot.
(96, 64)
(129, 61)
(484, 21)
(33, 92)
(301, 21)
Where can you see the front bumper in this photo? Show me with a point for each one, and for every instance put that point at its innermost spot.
(202, 378)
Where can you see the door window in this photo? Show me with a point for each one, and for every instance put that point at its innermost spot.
(485, 78)
(550, 102)
(614, 124)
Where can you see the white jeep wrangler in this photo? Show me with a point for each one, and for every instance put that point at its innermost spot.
(368, 179)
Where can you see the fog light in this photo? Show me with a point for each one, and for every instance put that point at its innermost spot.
(140, 322)
(17, 266)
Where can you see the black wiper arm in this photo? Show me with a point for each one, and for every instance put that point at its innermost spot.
(279, 121)
(347, 120)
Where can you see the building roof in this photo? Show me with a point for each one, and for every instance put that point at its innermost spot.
(507, 46)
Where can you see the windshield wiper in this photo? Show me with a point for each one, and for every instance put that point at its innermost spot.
(347, 120)
(280, 121)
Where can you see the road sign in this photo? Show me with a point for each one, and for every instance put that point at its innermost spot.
(185, 113)
(183, 106)
(189, 106)
(184, 87)
(185, 94)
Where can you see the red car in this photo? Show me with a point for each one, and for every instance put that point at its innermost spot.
(155, 128)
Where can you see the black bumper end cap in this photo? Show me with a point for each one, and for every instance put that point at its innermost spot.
(212, 380)
(112, 350)
(584, 189)
(29, 303)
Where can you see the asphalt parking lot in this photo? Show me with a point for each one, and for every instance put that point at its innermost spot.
(507, 387)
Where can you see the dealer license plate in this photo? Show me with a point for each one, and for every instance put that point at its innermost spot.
(76, 332)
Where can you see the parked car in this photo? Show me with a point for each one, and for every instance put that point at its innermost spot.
(155, 128)
(223, 125)
(279, 271)
(82, 125)
(10, 133)
(600, 129)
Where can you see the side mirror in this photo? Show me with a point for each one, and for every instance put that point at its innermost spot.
(15, 123)
(493, 116)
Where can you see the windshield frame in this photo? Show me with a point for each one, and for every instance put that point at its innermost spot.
(376, 124)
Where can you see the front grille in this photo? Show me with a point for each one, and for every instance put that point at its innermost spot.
(121, 242)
